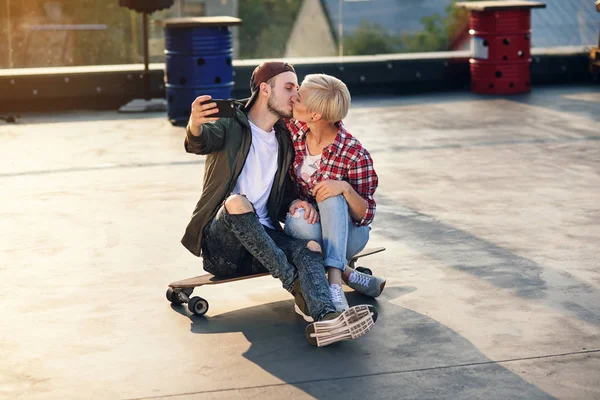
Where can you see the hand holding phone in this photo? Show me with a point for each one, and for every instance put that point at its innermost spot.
(226, 108)
(204, 110)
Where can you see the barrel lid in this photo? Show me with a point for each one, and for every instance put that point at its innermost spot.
(193, 22)
(500, 5)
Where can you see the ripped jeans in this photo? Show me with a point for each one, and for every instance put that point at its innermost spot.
(339, 238)
(238, 244)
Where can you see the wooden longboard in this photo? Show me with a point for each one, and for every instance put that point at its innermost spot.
(210, 279)
(367, 252)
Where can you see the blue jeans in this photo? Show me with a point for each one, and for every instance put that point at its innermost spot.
(339, 238)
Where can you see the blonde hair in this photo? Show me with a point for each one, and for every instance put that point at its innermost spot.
(327, 95)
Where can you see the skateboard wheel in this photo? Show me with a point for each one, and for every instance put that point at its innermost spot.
(198, 305)
(172, 296)
(364, 270)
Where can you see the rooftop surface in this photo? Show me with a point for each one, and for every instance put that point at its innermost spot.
(489, 208)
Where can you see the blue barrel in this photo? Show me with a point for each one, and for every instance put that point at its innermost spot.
(198, 61)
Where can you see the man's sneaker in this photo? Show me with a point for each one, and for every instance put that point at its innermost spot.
(299, 303)
(369, 285)
(338, 298)
(334, 327)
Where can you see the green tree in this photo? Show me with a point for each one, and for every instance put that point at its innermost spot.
(266, 27)
(437, 33)
(432, 38)
(41, 48)
(369, 39)
(113, 46)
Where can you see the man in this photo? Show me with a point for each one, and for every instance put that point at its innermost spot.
(235, 225)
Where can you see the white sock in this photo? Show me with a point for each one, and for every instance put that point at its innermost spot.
(353, 277)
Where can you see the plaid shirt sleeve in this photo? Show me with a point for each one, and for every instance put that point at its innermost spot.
(364, 180)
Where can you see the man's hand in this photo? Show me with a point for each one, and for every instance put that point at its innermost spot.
(329, 188)
(310, 213)
(200, 114)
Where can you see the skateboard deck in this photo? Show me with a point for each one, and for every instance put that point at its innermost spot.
(179, 291)
(210, 279)
(364, 253)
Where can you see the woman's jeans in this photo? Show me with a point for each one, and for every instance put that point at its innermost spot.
(339, 238)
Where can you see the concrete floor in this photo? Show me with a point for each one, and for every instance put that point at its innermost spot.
(489, 209)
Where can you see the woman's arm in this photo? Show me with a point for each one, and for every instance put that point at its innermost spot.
(364, 182)
(356, 204)
(358, 191)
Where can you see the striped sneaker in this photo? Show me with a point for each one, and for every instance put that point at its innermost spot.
(335, 327)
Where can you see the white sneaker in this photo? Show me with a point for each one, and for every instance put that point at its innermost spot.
(334, 327)
(338, 298)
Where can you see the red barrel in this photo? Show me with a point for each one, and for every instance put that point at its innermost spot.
(501, 51)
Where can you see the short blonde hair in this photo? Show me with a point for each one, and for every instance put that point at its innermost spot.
(327, 96)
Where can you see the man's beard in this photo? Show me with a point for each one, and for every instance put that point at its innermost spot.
(271, 106)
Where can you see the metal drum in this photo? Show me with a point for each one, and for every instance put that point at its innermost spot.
(198, 61)
(500, 46)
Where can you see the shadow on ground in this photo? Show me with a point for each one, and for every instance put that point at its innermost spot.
(501, 267)
(407, 356)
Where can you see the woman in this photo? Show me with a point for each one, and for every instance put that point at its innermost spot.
(335, 180)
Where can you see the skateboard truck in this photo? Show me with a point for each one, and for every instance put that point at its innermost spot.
(197, 305)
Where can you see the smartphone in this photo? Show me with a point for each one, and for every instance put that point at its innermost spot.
(226, 109)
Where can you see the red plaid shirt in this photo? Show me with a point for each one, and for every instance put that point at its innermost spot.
(344, 160)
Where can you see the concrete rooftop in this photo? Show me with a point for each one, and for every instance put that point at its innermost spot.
(489, 209)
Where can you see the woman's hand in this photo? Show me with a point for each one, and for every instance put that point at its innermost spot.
(329, 188)
(310, 212)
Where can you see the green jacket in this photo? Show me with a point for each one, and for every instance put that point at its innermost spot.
(226, 144)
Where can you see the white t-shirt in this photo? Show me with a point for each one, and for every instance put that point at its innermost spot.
(256, 179)
(309, 166)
